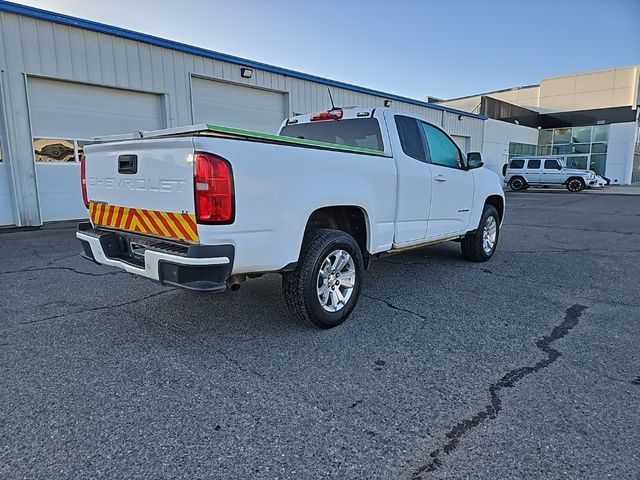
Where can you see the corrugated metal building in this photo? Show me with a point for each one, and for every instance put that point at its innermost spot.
(64, 80)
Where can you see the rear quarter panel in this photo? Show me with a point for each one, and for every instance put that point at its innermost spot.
(277, 188)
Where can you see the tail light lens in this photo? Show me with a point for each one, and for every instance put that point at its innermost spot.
(83, 181)
(213, 186)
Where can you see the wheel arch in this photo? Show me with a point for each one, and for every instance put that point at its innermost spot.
(351, 219)
(497, 201)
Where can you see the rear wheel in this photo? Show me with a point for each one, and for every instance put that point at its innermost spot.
(481, 245)
(517, 183)
(575, 184)
(325, 286)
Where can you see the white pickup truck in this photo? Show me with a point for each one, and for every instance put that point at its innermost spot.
(206, 207)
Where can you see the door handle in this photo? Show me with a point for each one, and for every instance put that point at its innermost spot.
(440, 178)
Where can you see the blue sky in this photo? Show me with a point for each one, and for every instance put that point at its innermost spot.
(445, 48)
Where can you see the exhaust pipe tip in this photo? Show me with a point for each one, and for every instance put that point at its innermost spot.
(234, 282)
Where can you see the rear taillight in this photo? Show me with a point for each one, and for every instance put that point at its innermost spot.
(83, 181)
(213, 186)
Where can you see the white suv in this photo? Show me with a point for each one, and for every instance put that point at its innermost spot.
(520, 173)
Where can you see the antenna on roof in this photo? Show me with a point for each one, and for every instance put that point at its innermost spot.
(333, 105)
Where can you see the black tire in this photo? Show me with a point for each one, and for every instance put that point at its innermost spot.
(517, 183)
(300, 286)
(472, 245)
(575, 184)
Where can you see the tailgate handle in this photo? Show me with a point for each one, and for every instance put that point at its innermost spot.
(128, 164)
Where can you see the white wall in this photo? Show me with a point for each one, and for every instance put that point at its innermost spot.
(6, 202)
(497, 135)
(620, 152)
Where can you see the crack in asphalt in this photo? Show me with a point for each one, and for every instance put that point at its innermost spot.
(508, 380)
(95, 309)
(70, 269)
(395, 307)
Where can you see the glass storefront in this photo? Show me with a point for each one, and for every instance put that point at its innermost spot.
(585, 147)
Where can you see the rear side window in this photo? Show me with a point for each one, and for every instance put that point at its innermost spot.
(410, 137)
(517, 164)
(551, 165)
(533, 164)
(355, 132)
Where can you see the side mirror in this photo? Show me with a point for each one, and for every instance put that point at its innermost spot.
(474, 160)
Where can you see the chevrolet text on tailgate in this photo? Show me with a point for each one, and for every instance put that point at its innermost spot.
(205, 207)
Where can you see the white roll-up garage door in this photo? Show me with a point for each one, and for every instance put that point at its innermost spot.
(236, 105)
(64, 115)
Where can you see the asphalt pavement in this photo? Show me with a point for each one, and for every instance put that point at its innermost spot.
(527, 366)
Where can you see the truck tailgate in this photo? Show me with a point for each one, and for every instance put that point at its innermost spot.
(143, 186)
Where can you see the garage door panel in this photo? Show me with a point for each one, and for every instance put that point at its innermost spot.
(63, 108)
(63, 112)
(237, 106)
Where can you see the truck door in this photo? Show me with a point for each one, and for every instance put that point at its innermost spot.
(452, 185)
(413, 194)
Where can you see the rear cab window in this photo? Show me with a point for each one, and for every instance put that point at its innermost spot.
(410, 137)
(516, 164)
(354, 132)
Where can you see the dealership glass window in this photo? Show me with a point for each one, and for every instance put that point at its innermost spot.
(580, 162)
(561, 135)
(599, 148)
(598, 163)
(580, 148)
(581, 134)
(600, 133)
(545, 137)
(517, 149)
(544, 150)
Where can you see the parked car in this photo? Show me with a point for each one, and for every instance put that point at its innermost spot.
(206, 207)
(520, 173)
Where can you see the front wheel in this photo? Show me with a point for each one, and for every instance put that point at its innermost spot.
(325, 286)
(575, 184)
(517, 183)
(481, 245)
